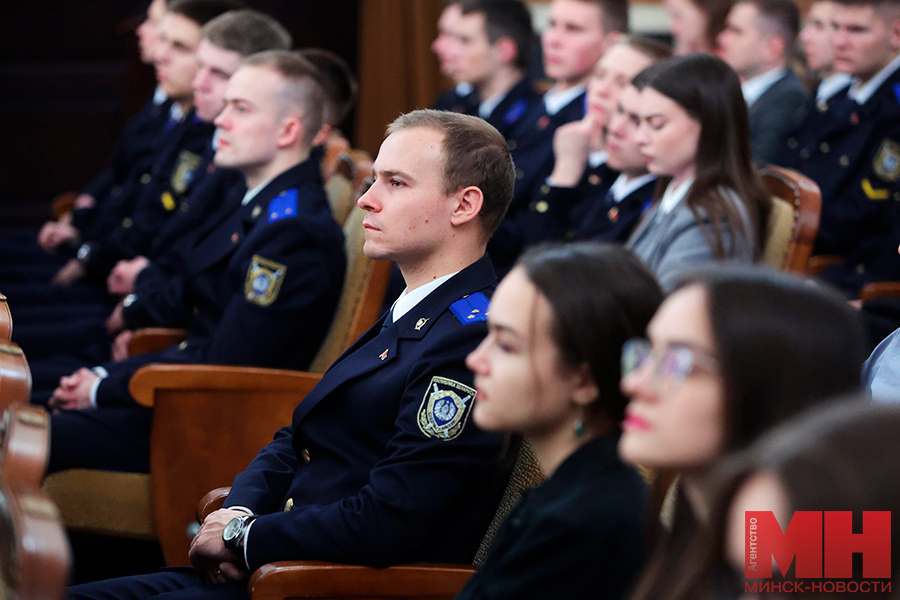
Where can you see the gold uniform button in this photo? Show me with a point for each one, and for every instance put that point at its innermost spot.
(594, 179)
(844, 160)
(182, 345)
(792, 143)
(542, 206)
(545, 189)
(824, 148)
(897, 196)
(289, 504)
(185, 207)
(304, 454)
(804, 153)
(570, 235)
(520, 173)
(512, 144)
(127, 222)
(145, 178)
(822, 105)
(861, 269)
(196, 311)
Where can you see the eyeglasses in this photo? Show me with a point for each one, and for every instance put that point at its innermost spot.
(671, 366)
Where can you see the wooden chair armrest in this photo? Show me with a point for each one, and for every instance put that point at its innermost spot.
(63, 204)
(211, 502)
(211, 378)
(151, 339)
(879, 289)
(316, 579)
(819, 263)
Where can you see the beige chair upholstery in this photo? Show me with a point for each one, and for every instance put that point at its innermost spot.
(794, 221)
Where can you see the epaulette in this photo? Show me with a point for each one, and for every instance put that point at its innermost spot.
(471, 309)
(283, 205)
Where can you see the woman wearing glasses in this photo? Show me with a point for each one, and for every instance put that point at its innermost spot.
(549, 369)
(729, 354)
(694, 132)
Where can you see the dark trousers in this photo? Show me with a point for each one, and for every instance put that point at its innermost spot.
(170, 584)
(112, 439)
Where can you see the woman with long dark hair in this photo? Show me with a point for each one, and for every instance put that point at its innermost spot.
(710, 202)
(549, 370)
(729, 354)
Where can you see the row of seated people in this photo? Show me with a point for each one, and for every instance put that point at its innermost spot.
(842, 137)
(736, 231)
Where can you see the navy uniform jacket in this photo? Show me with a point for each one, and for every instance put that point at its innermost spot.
(608, 221)
(556, 212)
(531, 146)
(772, 114)
(134, 145)
(508, 112)
(382, 464)
(580, 534)
(261, 286)
(181, 158)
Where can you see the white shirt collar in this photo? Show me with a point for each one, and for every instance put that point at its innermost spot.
(755, 87)
(176, 113)
(464, 88)
(555, 101)
(159, 96)
(673, 195)
(861, 93)
(623, 186)
(251, 194)
(487, 107)
(408, 300)
(832, 85)
(597, 158)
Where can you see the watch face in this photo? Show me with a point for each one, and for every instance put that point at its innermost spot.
(233, 529)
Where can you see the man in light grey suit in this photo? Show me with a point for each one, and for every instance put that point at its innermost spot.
(758, 43)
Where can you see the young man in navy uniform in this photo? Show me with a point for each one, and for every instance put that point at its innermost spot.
(381, 465)
(259, 283)
(855, 156)
(580, 32)
(485, 47)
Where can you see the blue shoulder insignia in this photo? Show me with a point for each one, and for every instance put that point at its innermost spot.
(897, 91)
(284, 205)
(471, 309)
(515, 112)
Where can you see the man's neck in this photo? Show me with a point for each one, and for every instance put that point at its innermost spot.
(758, 70)
(630, 174)
(561, 85)
(185, 103)
(439, 263)
(500, 83)
(282, 162)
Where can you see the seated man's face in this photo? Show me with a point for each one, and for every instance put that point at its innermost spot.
(742, 44)
(817, 37)
(176, 56)
(148, 31)
(249, 126)
(865, 39)
(574, 42)
(215, 66)
(408, 212)
(446, 43)
(611, 75)
(621, 143)
(471, 57)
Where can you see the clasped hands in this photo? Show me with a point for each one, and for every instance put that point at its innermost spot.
(208, 553)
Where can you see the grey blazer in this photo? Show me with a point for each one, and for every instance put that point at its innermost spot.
(772, 114)
(673, 244)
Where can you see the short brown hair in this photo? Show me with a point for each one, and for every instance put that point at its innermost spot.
(779, 18)
(341, 87)
(246, 32)
(613, 13)
(653, 49)
(475, 154)
(303, 88)
(202, 12)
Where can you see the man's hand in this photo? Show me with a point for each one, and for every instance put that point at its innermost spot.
(115, 323)
(208, 553)
(71, 272)
(55, 233)
(74, 391)
(121, 279)
(120, 345)
(572, 144)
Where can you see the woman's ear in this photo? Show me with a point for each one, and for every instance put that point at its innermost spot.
(586, 389)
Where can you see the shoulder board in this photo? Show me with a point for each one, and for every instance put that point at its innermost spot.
(283, 205)
(471, 309)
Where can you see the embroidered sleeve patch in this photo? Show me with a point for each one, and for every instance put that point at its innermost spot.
(264, 279)
(887, 161)
(445, 408)
(471, 309)
(283, 205)
(183, 172)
